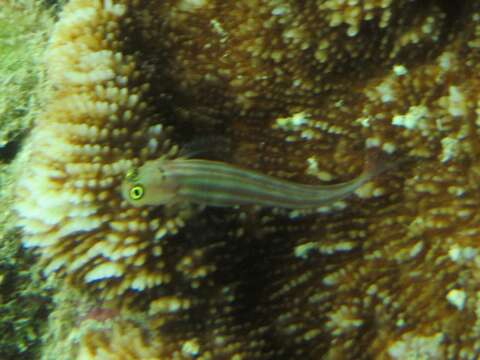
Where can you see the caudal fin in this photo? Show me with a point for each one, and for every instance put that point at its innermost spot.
(376, 163)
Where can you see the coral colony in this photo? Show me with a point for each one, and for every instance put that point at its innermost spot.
(303, 90)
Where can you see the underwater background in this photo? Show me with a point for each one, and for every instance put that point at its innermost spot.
(264, 179)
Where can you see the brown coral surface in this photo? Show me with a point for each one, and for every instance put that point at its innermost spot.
(301, 90)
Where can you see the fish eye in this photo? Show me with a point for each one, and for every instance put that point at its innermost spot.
(136, 192)
(132, 175)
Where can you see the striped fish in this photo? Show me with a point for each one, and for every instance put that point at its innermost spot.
(215, 183)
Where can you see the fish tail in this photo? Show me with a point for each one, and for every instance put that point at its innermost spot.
(376, 163)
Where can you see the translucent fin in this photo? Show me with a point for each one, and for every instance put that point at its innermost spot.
(214, 147)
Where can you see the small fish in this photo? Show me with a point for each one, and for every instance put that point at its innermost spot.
(216, 183)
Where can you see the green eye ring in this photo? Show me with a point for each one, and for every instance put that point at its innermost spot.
(136, 192)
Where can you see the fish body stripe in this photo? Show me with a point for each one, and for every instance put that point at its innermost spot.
(220, 184)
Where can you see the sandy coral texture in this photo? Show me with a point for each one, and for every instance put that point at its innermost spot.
(301, 90)
(24, 30)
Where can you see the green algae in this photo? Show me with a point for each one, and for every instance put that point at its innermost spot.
(24, 296)
(24, 28)
(24, 302)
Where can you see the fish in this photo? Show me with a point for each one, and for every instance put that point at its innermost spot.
(220, 184)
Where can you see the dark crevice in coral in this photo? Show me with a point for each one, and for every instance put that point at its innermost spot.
(11, 148)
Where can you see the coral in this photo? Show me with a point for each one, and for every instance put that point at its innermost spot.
(100, 125)
(81, 329)
(122, 341)
(301, 90)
